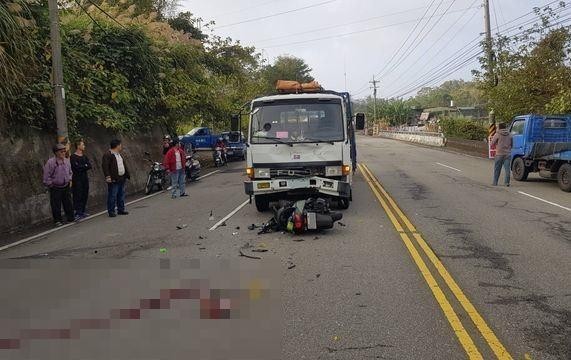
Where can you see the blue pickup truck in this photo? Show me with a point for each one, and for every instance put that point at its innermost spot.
(199, 138)
(542, 143)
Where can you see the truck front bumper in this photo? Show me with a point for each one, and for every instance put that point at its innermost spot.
(321, 185)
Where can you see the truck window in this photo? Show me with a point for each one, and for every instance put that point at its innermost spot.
(298, 122)
(518, 127)
(554, 123)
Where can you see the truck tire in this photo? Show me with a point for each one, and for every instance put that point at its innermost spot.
(564, 177)
(343, 203)
(262, 203)
(519, 170)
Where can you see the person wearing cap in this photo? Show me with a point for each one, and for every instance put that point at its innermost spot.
(116, 174)
(174, 162)
(57, 177)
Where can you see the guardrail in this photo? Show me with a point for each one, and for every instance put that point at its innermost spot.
(420, 137)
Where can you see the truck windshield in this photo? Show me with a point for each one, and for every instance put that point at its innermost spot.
(297, 123)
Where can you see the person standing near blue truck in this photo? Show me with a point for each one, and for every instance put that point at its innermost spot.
(116, 174)
(57, 178)
(80, 165)
(503, 142)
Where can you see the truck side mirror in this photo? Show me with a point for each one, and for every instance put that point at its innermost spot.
(235, 123)
(360, 121)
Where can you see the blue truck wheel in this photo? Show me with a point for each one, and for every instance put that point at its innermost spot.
(564, 177)
(519, 170)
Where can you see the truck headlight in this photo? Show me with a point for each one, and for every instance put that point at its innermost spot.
(333, 171)
(262, 173)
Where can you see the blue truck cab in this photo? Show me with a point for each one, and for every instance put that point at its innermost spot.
(199, 138)
(542, 144)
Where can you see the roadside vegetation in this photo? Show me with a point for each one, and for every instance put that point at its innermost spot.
(129, 65)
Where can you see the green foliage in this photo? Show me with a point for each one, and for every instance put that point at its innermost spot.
(391, 111)
(455, 127)
(463, 93)
(533, 70)
(286, 68)
(132, 77)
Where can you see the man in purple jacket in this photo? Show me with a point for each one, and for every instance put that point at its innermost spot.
(57, 177)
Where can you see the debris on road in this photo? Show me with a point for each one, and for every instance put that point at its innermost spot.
(211, 217)
(163, 250)
(198, 244)
(358, 293)
(259, 250)
(237, 228)
(201, 237)
(201, 248)
(341, 224)
(290, 265)
(317, 275)
(316, 238)
(242, 253)
(235, 233)
(298, 240)
(180, 227)
(252, 227)
(223, 224)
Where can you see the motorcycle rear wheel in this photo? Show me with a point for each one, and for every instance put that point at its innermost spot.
(150, 185)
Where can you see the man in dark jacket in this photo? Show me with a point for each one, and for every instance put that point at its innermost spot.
(116, 173)
(80, 165)
(503, 142)
(57, 177)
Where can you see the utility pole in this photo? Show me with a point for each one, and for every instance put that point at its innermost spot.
(488, 41)
(374, 87)
(57, 72)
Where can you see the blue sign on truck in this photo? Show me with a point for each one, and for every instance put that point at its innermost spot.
(542, 144)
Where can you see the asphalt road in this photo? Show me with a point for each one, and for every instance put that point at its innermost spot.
(497, 283)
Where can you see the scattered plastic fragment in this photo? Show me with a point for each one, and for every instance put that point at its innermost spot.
(235, 233)
(341, 224)
(317, 275)
(211, 218)
(298, 240)
(163, 250)
(336, 338)
(290, 265)
(237, 228)
(259, 250)
(223, 224)
(201, 248)
(358, 293)
(200, 237)
(180, 227)
(249, 256)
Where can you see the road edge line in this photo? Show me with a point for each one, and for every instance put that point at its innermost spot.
(232, 213)
(545, 201)
(50, 231)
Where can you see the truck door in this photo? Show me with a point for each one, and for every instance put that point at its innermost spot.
(517, 131)
(202, 138)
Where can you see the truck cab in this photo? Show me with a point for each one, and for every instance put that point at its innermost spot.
(301, 144)
(542, 144)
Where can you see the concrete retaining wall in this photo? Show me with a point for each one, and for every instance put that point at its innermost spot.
(24, 200)
(425, 138)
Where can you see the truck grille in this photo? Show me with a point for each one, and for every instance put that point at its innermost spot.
(297, 172)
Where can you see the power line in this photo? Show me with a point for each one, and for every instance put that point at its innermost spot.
(335, 26)
(421, 57)
(412, 49)
(107, 14)
(343, 34)
(276, 14)
(454, 67)
(91, 17)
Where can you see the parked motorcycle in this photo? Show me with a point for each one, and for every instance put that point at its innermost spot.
(220, 158)
(192, 167)
(157, 176)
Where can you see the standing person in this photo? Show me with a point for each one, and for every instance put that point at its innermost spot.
(167, 144)
(503, 142)
(116, 174)
(80, 165)
(57, 177)
(174, 162)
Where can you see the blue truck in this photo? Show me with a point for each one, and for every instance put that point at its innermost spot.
(199, 138)
(542, 144)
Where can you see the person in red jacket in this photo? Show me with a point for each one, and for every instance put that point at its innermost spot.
(174, 162)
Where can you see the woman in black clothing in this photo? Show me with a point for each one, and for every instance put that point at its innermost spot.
(80, 181)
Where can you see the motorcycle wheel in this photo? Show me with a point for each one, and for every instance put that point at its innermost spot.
(150, 184)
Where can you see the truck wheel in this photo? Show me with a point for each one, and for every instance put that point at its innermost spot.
(519, 170)
(343, 203)
(262, 203)
(564, 177)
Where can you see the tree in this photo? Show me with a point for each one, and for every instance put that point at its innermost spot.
(185, 22)
(286, 67)
(533, 70)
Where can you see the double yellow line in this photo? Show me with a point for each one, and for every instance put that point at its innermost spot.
(406, 230)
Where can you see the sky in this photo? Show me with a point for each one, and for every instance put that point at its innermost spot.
(347, 42)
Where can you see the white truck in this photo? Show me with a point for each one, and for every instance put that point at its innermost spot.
(301, 144)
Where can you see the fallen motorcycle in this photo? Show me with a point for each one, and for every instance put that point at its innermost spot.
(302, 216)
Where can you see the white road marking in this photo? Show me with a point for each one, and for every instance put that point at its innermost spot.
(545, 201)
(230, 215)
(449, 167)
(47, 232)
